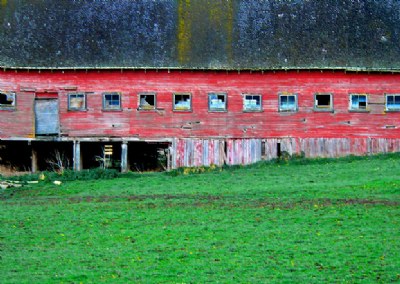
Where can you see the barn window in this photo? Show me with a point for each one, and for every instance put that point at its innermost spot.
(323, 102)
(7, 100)
(217, 101)
(252, 102)
(147, 101)
(393, 102)
(358, 102)
(182, 102)
(287, 103)
(111, 101)
(77, 101)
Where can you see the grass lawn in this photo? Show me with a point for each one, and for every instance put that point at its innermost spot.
(303, 221)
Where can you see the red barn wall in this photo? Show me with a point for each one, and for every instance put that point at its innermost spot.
(200, 123)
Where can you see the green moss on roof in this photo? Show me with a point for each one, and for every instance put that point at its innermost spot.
(202, 34)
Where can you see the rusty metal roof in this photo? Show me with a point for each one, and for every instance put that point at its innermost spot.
(201, 34)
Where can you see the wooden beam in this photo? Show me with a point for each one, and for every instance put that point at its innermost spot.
(34, 160)
(124, 157)
(77, 156)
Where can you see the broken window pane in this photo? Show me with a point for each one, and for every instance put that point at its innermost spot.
(323, 102)
(111, 101)
(147, 101)
(358, 102)
(288, 103)
(216, 101)
(182, 102)
(252, 103)
(77, 101)
(7, 100)
(393, 102)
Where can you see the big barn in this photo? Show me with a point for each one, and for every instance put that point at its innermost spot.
(144, 85)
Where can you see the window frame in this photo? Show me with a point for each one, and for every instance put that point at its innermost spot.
(386, 103)
(216, 109)
(147, 107)
(358, 109)
(118, 108)
(11, 106)
(189, 109)
(296, 105)
(318, 108)
(259, 109)
(83, 108)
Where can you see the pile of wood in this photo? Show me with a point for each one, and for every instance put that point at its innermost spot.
(7, 184)
(4, 184)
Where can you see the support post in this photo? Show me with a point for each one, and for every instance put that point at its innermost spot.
(172, 152)
(124, 157)
(34, 160)
(77, 156)
(169, 158)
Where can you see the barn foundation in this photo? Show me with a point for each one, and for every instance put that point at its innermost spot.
(204, 152)
(36, 155)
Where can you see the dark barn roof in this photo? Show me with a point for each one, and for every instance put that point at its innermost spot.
(201, 34)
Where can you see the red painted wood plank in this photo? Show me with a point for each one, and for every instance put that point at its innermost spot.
(201, 123)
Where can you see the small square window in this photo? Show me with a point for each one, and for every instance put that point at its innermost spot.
(147, 101)
(111, 101)
(182, 102)
(7, 100)
(393, 102)
(323, 102)
(358, 102)
(217, 101)
(77, 101)
(252, 102)
(288, 103)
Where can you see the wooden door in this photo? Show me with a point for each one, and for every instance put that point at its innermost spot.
(46, 117)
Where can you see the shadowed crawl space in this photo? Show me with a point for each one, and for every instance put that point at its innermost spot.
(18, 155)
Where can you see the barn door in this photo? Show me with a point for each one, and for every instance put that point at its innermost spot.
(46, 117)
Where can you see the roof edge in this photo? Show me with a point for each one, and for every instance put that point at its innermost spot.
(273, 69)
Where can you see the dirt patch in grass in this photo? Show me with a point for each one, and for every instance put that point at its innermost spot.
(371, 202)
(320, 203)
(187, 200)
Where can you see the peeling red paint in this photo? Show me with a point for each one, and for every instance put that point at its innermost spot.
(234, 123)
(304, 130)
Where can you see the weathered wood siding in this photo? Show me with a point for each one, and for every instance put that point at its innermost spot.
(200, 122)
(18, 122)
(329, 147)
(243, 151)
(197, 152)
(203, 137)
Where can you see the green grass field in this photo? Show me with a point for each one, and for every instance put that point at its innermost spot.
(301, 221)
